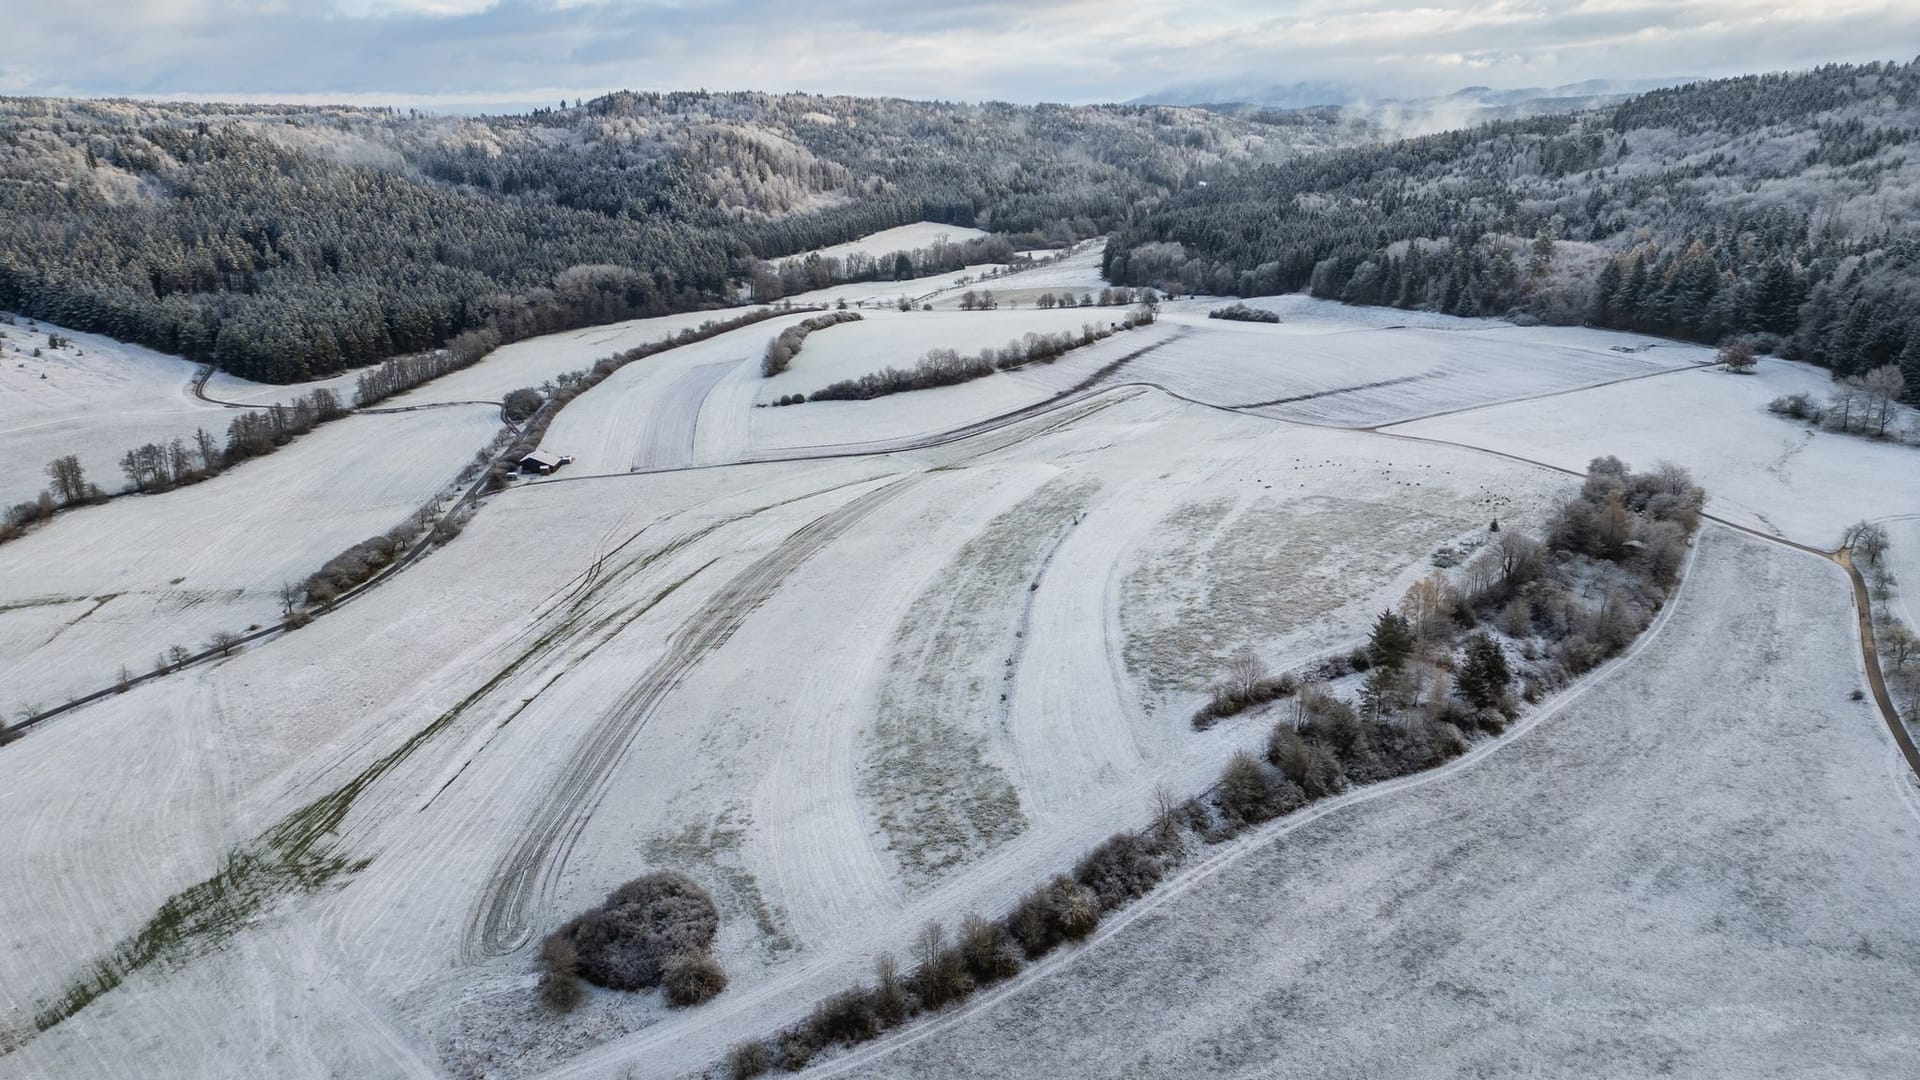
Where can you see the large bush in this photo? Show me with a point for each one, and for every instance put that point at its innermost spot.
(627, 942)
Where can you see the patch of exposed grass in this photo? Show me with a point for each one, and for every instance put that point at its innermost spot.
(940, 798)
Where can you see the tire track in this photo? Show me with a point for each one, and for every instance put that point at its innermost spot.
(503, 917)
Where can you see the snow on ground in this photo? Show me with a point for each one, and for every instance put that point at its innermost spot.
(96, 398)
(855, 694)
(542, 359)
(1326, 370)
(1720, 886)
(648, 414)
(222, 386)
(1903, 559)
(1764, 471)
(753, 753)
(113, 585)
(899, 339)
(1078, 273)
(927, 289)
(920, 234)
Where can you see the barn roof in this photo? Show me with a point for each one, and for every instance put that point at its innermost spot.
(542, 457)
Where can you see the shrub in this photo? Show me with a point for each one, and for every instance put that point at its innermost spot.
(846, 1017)
(987, 951)
(626, 942)
(692, 977)
(889, 994)
(560, 982)
(1243, 313)
(1334, 722)
(748, 1060)
(1310, 766)
(1247, 796)
(942, 975)
(521, 404)
(1061, 910)
(1737, 355)
(794, 1050)
(1121, 868)
(1448, 740)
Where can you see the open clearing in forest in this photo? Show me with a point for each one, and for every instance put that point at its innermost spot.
(901, 677)
(920, 234)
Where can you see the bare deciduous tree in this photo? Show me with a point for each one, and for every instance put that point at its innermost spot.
(69, 479)
(1738, 356)
(1881, 388)
(1868, 541)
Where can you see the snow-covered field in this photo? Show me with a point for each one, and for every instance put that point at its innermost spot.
(1322, 368)
(96, 398)
(1702, 867)
(899, 339)
(1760, 470)
(113, 586)
(900, 678)
(920, 234)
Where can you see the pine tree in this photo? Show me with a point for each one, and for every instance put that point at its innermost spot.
(1484, 675)
(1392, 640)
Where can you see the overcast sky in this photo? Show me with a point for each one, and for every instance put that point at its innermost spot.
(473, 53)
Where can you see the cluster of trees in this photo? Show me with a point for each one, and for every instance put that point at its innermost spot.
(1243, 313)
(1866, 404)
(1443, 667)
(403, 373)
(286, 244)
(1743, 206)
(945, 971)
(1897, 643)
(946, 367)
(258, 433)
(358, 564)
(781, 350)
(156, 467)
(653, 931)
(768, 282)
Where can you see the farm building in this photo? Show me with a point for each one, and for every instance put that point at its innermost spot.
(544, 462)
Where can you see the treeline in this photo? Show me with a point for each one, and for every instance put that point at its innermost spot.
(404, 373)
(946, 367)
(571, 385)
(1243, 313)
(286, 244)
(156, 467)
(781, 350)
(772, 281)
(1750, 206)
(1858, 404)
(1439, 672)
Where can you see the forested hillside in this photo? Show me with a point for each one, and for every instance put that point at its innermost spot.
(285, 243)
(1786, 207)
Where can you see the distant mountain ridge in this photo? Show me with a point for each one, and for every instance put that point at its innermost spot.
(1308, 95)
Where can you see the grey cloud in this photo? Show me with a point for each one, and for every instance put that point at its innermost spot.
(1042, 49)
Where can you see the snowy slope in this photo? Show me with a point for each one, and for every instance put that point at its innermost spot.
(921, 234)
(1610, 894)
(97, 398)
(1760, 470)
(115, 585)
